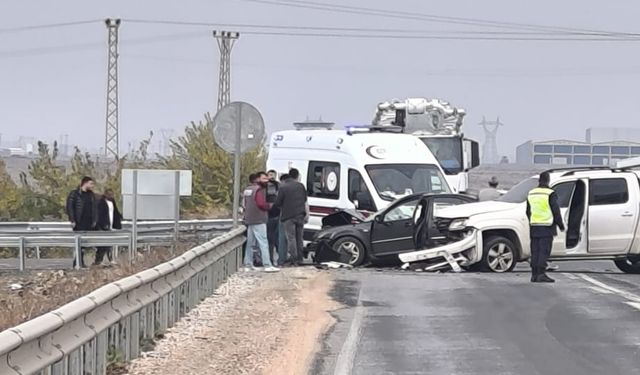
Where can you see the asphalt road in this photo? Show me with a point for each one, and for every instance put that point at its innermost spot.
(402, 322)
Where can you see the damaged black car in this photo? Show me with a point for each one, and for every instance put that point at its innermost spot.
(405, 225)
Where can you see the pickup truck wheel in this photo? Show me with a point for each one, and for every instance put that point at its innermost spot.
(498, 255)
(351, 250)
(628, 266)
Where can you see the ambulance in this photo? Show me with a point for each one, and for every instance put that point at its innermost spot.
(363, 168)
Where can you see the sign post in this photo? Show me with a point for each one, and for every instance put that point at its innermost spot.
(133, 249)
(236, 167)
(176, 224)
(237, 127)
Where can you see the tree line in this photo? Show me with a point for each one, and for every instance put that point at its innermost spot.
(41, 191)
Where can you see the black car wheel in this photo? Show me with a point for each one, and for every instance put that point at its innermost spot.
(351, 250)
(628, 266)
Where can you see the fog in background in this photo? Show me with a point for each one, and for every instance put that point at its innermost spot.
(52, 81)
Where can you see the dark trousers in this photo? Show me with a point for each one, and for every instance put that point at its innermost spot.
(272, 236)
(80, 228)
(81, 259)
(101, 252)
(293, 229)
(540, 252)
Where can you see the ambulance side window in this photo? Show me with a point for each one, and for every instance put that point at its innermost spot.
(323, 180)
(359, 192)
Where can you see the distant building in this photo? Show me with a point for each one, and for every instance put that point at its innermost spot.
(566, 152)
(602, 146)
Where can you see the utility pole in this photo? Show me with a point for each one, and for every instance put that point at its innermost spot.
(64, 145)
(165, 148)
(112, 139)
(226, 40)
(490, 146)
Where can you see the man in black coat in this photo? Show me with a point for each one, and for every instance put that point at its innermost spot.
(292, 203)
(109, 218)
(82, 210)
(274, 214)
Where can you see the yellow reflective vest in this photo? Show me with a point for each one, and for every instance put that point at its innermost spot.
(541, 214)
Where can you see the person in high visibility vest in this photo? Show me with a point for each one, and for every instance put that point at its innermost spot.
(544, 217)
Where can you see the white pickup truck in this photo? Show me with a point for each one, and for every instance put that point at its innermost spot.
(600, 208)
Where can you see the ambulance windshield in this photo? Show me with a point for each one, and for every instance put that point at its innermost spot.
(393, 181)
(448, 151)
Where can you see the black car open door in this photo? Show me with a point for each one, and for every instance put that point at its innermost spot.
(392, 231)
(426, 233)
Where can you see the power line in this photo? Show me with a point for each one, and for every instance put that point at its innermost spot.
(98, 45)
(356, 32)
(431, 17)
(438, 37)
(324, 32)
(344, 29)
(48, 26)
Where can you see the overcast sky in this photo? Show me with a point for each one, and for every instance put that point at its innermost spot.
(52, 81)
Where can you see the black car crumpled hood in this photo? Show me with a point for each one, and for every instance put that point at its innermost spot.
(343, 217)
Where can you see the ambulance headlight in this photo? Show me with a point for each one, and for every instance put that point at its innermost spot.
(458, 224)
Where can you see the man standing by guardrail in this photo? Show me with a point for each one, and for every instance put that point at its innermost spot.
(82, 210)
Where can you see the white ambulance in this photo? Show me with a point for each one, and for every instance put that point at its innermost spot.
(363, 168)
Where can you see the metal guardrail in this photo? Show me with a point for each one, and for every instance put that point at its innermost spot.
(24, 235)
(11, 226)
(114, 320)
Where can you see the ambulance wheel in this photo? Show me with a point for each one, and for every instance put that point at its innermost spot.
(498, 255)
(350, 250)
(628, 266)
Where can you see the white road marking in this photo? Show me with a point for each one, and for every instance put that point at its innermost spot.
(347, 356)
(634, 304)
(622, 293)
(600, 290)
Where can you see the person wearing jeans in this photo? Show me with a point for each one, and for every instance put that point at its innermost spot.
(256, 216)
(292, 202)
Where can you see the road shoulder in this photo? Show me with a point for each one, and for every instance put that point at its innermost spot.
(256, 324)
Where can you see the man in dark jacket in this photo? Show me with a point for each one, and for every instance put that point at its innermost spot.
(292, 202)
(82, 210)
(109, 218)
(282, 237)
(274, 214)
(544, 216)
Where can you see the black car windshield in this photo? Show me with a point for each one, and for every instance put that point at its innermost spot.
(393, 181)
(518, 193)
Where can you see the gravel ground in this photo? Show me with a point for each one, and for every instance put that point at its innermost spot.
(256, 323)
(26, 295)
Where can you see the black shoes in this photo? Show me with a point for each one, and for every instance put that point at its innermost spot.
(542, 278)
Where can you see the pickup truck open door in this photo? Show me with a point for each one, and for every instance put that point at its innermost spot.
(572, 199)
